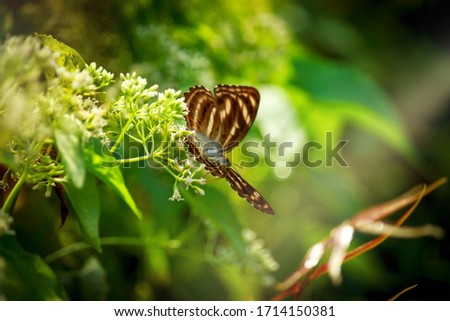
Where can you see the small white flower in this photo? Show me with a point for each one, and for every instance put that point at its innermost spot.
(126, 86)
(199, 190)
(176, 196)
(188, 181)
(81, 80)
(141, 82)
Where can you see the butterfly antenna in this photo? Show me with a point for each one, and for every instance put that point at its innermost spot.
(237, 165)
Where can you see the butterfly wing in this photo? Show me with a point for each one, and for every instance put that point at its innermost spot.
(238, 106)
(224, 117)
(203, 115)
(246, 191)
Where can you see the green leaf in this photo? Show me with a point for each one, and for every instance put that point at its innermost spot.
(68, 57)
(387, 129)
(331, 82)
(25, 276)
(340, 93)
(215, 208)
(166, 223)
(69, 140)
(86, 207)
(102, 165)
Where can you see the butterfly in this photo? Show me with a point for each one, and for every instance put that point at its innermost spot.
(220, 121)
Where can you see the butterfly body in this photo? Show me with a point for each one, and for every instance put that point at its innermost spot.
(220, 121)
(211, 150)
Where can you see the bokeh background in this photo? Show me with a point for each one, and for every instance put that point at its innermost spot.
(375, 73)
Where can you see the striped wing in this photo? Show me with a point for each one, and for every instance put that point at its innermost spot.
(239, 184)
(224, 117)
(203, 115)
(238, 109)
(246, 191)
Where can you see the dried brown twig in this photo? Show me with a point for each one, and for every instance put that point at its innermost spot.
(366, 221)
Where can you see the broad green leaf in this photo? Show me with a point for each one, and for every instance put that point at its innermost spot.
(99, 163)
(26, 276)
(86, 207)
(215, 208)
(340, 93)
(167, 220)
(68, 57)
(69, 140)
(386, 128)
(331, 82)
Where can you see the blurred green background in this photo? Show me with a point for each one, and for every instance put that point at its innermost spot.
(375, 73)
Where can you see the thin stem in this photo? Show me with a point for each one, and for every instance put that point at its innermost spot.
(153, 156)
(134, 159)
(112, 240)
(178, 178)
(122, 134)
(7, 207)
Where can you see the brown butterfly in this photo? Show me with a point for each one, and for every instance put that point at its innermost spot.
(220, 121)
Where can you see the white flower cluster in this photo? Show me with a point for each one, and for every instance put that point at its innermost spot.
(155, 120)
(40, 90)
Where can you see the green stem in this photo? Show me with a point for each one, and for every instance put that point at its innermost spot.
(122, 133)
(134, 159)
(112, 240)
(177, 178)
(7, 207)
